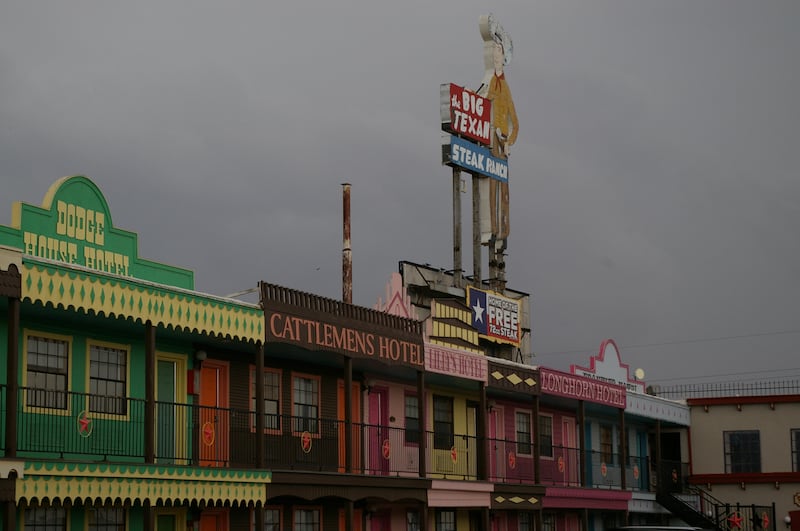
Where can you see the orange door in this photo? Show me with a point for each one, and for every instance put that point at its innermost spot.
(214, 521)
(357, 517)
(214, 414)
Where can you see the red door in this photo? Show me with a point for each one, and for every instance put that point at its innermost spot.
(497, 446)
(378, 442)
(214, 415)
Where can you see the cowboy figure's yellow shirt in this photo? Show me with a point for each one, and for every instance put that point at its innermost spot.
(504, 115)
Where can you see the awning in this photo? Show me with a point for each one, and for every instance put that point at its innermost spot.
(91, 483)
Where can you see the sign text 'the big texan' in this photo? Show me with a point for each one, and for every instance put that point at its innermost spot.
(494, 317)
(465, 113)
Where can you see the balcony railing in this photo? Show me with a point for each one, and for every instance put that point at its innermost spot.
(79, 426)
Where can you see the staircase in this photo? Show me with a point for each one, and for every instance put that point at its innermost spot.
(700, 509)
(697, 513)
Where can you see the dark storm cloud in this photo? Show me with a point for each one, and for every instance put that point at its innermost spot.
(654, 185)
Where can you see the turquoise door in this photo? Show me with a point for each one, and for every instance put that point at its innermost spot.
(165, 412)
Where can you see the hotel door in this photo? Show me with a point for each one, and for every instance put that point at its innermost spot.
(378, 442)
(213, 415)
(572, 459)
(215, 520)
(497, 446)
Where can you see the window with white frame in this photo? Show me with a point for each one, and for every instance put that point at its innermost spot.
(47, 518)
(306, 520)
(412, 419)
(47, 362)
(445, 520)
(524, 446)
(742, 451)
(272, 398)
(108, 379)
(107, 519)
(545, 435)
(305, 404)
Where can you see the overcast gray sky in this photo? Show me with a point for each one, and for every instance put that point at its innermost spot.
(655, 185)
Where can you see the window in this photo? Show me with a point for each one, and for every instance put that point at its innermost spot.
(796, 450)
(412, 419)
(108, 379)
(412, 521)
(45, 519)
(305, 405)
(107, 519)
(272, 398)
(606, 444)
(545, 436)
(742, 451)
(47, 372)
(445, 520)
(272, 519)
(524, 521)
(442, 422)
(523, 433)
(548, 522)
(306, 520)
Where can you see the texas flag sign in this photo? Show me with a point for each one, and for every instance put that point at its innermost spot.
(494, 317)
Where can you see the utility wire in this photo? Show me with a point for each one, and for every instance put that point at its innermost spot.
(676, 342)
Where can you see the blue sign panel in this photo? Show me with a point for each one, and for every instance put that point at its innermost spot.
(474, 158)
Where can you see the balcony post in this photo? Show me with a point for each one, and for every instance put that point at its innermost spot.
(423, 423)
(10, 515)
(623, 449)
(582, 442)
(12, 377)
(659, 486)
(483, 438)
(348, 425)
(150, 393)
(537, 469)
(261, 446)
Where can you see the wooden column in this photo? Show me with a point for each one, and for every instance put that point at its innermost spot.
(261, 443)
(348, 423)
(536, 439)
(12, 379)
(623, 448)
(582, 441)
(423, 434)
(150, 393)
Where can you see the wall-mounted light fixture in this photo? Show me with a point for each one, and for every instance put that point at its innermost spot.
(369, 384)
(788, 521)
(201, 355)
(490, 405)
(777, 485)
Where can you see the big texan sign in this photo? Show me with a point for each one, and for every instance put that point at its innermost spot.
(495, 317)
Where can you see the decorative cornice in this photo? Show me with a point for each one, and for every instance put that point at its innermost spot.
(131, 484)
(110, 296)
